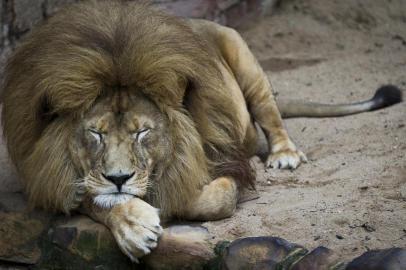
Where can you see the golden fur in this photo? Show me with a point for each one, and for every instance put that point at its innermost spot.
(89, 51)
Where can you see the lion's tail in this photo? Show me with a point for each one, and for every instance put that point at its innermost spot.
(385, 96)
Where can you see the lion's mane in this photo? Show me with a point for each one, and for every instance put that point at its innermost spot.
(86, 51)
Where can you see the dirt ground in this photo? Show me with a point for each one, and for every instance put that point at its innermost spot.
(351, 196)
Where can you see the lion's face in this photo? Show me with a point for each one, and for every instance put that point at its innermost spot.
(120, 140)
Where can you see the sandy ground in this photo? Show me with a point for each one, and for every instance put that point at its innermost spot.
(351, 196)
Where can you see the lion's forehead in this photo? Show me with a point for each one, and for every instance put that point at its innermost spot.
(130, 122)
(130, 112)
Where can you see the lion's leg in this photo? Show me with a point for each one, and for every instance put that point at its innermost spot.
(217, 200)
(257, 92)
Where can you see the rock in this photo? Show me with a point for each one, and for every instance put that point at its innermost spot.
(81, 243)
(386, 259)
(260, 253)
(187, 8)
(320, 258)
(53, 6)
(2, 34)
(12, 202)
(19, 235)
(12, 267)
(181, 247)
(27, 13)
(9, 181)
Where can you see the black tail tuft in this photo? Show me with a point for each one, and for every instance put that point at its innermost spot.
(386, 95)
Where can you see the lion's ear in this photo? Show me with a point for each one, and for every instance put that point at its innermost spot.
(45, 110)
(190, 86)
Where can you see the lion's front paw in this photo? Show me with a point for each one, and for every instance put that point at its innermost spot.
(135, 226)
(286, 159)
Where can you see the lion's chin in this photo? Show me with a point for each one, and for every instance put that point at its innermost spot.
(109, 200)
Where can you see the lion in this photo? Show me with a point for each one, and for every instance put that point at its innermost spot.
(118, 109)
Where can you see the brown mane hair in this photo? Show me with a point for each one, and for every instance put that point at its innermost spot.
(86, 51)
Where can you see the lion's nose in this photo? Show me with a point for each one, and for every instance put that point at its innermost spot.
(118, 179)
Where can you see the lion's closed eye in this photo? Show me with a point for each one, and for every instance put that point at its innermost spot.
(138, 136)
(97, 135)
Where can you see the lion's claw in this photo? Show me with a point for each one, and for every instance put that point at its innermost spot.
(286, 159)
